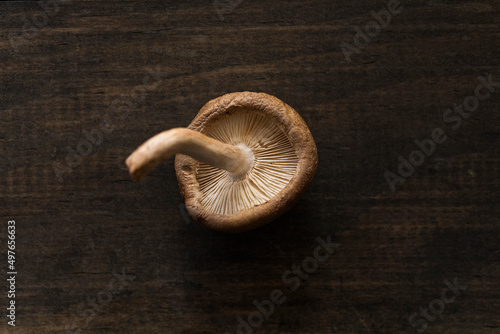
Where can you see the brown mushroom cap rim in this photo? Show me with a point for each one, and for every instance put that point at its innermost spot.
(292, 125)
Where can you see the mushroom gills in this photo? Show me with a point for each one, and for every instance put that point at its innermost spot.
(274, 164)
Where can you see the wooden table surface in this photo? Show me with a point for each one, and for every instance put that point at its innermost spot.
(98, 253)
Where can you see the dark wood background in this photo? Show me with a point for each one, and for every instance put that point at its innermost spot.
(396, 248)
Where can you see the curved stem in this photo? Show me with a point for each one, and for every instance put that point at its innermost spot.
(236, 160)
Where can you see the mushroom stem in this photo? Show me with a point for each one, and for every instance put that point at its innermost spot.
(237, 160)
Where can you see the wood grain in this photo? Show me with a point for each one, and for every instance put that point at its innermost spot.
(396, 248)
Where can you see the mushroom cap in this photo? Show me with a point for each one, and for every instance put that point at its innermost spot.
(295, 143)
